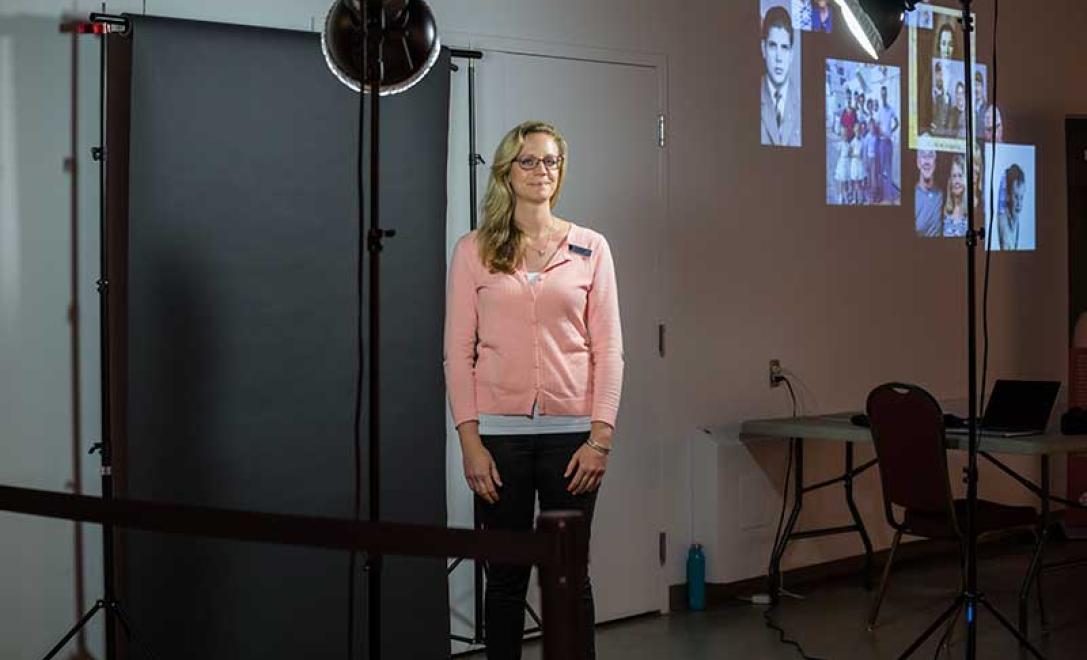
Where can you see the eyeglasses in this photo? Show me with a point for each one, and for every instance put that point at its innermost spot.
(529, 163)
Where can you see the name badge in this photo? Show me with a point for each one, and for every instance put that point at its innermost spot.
(583, 251)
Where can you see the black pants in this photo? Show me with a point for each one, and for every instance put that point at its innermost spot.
(528, 464)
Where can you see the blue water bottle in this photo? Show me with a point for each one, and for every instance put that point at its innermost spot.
(696, 578)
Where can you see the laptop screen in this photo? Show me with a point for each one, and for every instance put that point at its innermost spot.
(1020, 405)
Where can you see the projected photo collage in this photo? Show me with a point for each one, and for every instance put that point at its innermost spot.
(865, 119)
(938, 109)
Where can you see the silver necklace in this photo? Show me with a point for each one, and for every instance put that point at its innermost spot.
(549, 233)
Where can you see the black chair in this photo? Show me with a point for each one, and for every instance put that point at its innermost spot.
(908, 431)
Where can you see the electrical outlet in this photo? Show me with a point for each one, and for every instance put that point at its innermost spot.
(775, 373)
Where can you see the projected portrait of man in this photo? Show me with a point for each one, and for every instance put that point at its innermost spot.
(979, 102)
(1007, 225)
(780, 97)
(941, 101)
(928, 201)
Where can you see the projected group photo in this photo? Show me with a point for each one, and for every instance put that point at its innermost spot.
(814, 15)
(863, 162)
(938, 100)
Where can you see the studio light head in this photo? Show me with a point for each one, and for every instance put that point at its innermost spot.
(409, 42)
(875, 24)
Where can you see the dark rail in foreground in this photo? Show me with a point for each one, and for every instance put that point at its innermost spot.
(559, 546)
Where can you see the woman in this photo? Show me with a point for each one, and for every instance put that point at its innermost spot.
(533, 361)
(955, 204)
(945, 46)
(856, 164)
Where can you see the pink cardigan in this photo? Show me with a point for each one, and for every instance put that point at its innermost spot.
(557, 342)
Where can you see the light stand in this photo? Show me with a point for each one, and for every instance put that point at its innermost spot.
(354, 45)
(103, 25)
(874, 24)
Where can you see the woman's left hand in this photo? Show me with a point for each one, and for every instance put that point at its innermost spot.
(588, 465)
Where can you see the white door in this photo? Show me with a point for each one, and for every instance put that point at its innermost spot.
(615, 185)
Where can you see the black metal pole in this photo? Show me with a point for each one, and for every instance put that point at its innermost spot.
(972, 235)
(106, 442)
(473, 162)
(375, 28)
(473, 157)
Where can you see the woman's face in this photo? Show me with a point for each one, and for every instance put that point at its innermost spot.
(960, 97)
(946, 44)
(536, 185)
(958, 180)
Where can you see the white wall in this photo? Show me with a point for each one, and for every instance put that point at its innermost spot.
(759, 267)
(846, 298)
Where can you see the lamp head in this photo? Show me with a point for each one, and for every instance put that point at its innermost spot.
(875, 24)
(409, 42)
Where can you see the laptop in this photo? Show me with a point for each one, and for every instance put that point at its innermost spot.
(1016, 408)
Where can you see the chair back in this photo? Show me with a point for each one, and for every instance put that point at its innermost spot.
(908, 431)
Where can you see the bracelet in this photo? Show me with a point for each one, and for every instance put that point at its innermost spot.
(598, 447)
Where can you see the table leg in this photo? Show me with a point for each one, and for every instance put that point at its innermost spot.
(774, 577)
(857, 516)
(1039, 548)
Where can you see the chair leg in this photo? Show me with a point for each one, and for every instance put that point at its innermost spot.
(883, 582)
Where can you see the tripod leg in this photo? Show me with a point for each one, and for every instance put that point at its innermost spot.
(75, 629)
(1024, 643)
(127, 627)
(955, 607)
(945, 639)
(532, 614)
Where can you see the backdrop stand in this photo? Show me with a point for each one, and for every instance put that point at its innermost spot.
(103, 25)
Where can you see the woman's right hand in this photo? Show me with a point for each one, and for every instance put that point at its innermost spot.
(480, 471)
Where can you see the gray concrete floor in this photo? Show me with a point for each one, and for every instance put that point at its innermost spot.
(830, 621)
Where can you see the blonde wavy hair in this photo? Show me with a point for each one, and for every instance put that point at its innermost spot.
(499, 239)
(949, 201)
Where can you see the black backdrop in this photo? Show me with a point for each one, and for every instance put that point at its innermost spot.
(233, 347)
